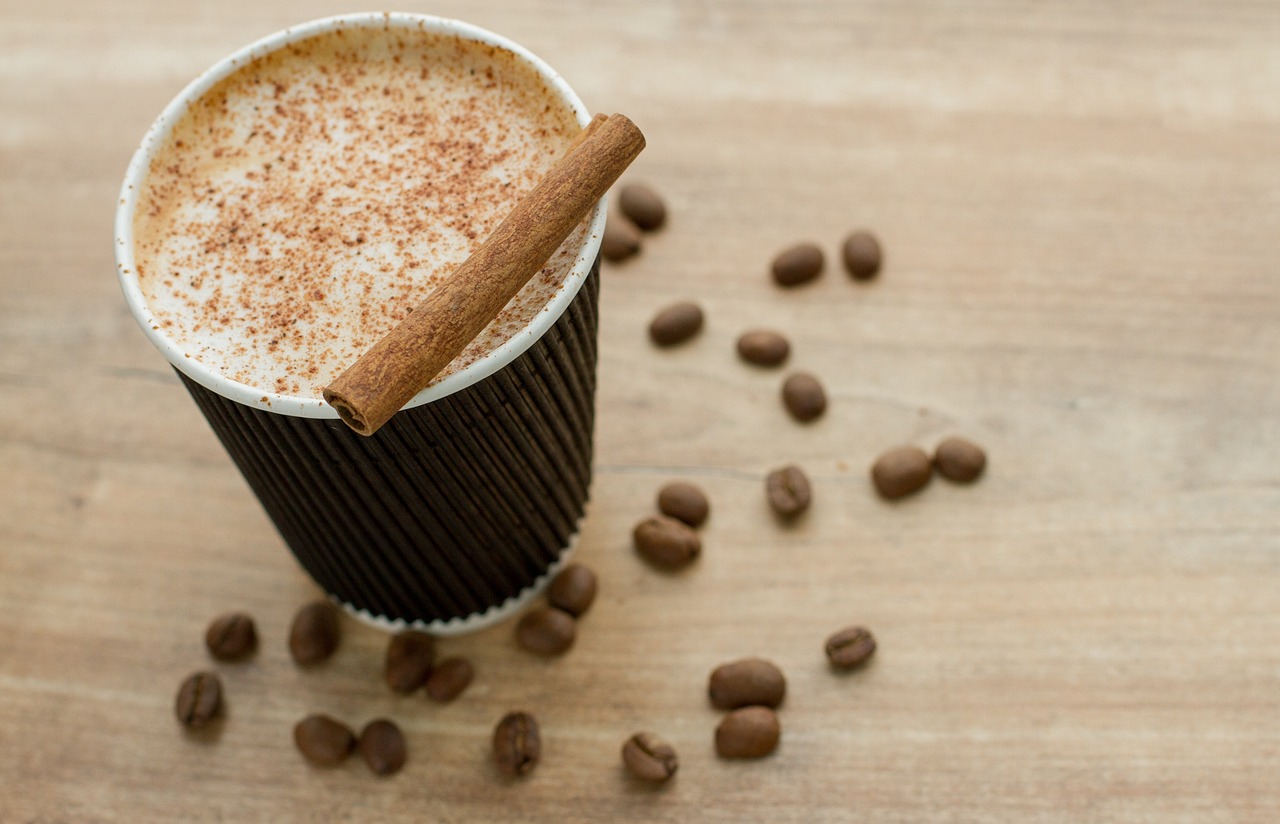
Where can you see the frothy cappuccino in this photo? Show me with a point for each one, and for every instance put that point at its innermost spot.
(307, 202)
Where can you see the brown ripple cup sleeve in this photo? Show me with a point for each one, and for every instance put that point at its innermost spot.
(405, 361)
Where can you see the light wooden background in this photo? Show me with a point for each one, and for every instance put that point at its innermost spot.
(1080, 204)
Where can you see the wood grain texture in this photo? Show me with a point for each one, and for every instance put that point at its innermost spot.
(1079, 204)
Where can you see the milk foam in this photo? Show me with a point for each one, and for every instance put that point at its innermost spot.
(303, 205)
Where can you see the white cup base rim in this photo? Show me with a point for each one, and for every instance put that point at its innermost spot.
(492, 616)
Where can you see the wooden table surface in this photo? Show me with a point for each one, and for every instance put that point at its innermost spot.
(1080, 206)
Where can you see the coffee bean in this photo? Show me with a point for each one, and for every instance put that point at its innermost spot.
(750, 732)
(763, 347)
(573, 589)
(516, 745)
(901, 471)
(676, 324)
(649, 758)
(324, 741)
(684, 502)
(231, 637)
(410, 656)
(749, 681)
(546, 631)
(382, 746)
(787, 490)
(450, 677)
(642, 204)
(666, 542)
(861, 253)
(804, 397)
(798, 264)
(199, 699)
(959, 460)
(315, 633)
(621, 239)
(850, 647)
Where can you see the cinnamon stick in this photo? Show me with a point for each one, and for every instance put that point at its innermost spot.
(396, 368)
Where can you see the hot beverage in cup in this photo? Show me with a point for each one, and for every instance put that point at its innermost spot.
(303, 205)
(293, 205)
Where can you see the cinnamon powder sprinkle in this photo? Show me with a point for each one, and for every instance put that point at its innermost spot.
(309, 201)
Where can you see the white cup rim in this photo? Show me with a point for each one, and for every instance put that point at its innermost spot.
(307, 407)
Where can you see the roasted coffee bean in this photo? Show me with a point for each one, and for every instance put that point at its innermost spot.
(763, 347)
(231, 637)
(861, 253)
(850, 647)
(642, 205)
(901, 471)
(747, 682)
(666, 542)
(324, 741)
(804, 397)
(684, 502)
(621, 239)
(649, 758)
(787, 490)
(450, 677)
(676, 324)
(959, 460)
(199, 699)
(546, 631)
(516, 745)
(573, 589)
(382, 746)
(798, 264)
(750, 732)
(315, 633)
(410, 656)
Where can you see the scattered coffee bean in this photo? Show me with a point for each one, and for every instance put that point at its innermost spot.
(410, 656)
(642, 204)
(676, 324)
(324, 741)
(804, 397)
(901, 471)
(546, 631)
(684, 502)
(750, 732)
(314, 634)
(573, 589)
(750, 681)
(382, 746)
(199, 699)
(621, 239)
(861, 253)
(649, 758)
(798, 264)
(516, 745)
(763, 347)
(666, 542)
(850, 647)
(959, 460)
(231, 637)
(450, 677)
(787, 490)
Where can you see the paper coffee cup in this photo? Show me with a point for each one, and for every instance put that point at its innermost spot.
(465, 503)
